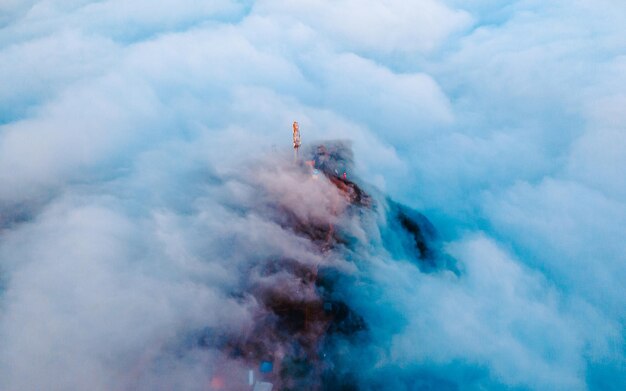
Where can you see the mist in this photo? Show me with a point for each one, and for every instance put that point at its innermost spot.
(148, 188)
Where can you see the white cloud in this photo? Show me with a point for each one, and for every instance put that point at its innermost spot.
(570, 231)
(498, 315)
(374, 26)
(506, 119)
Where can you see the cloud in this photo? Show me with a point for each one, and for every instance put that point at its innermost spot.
(12, 9)
(563, 220)
(142, 156)
(374, 26)
(499, 315)
(82, 291)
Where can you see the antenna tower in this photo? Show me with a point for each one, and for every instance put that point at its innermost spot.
(296, 139)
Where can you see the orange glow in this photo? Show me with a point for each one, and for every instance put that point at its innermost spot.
(217, 383)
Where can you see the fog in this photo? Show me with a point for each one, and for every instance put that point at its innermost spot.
(145, 161)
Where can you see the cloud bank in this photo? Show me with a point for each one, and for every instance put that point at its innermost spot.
(131, 136)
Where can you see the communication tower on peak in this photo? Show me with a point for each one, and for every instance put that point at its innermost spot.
(296, 139)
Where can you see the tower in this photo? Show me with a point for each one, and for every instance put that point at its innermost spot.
(296, 139)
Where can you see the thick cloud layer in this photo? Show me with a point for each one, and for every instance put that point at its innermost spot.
(131, 136)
